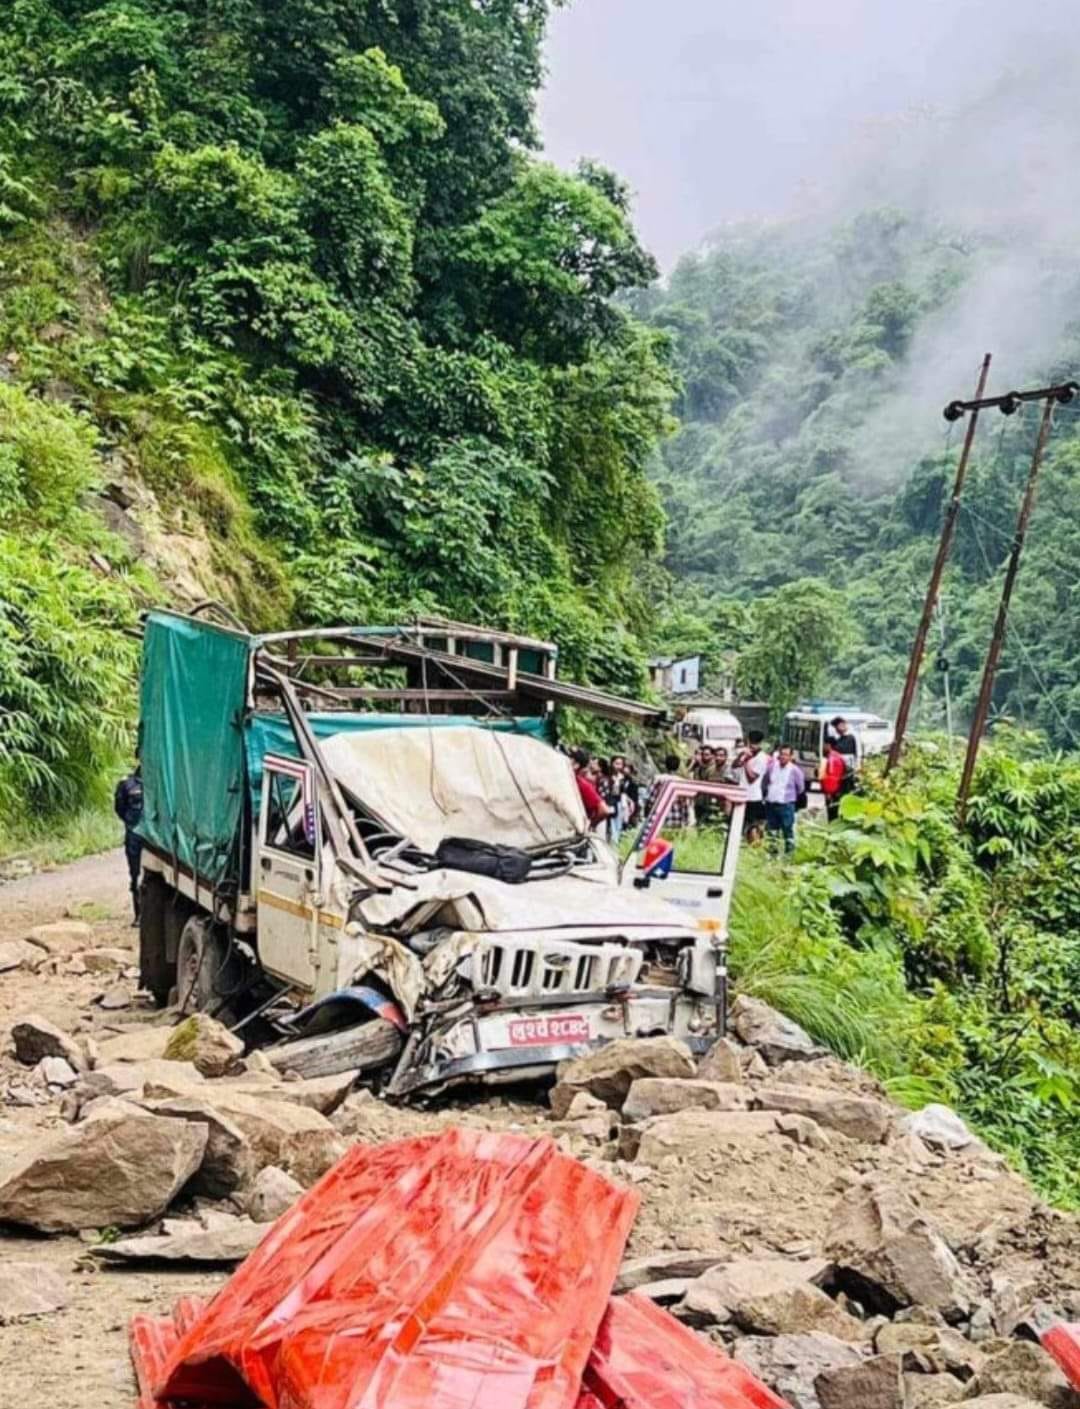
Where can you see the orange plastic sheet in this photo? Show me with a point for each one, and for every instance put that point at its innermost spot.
(464, 1271)
(645, 1359)
(1063, 1343)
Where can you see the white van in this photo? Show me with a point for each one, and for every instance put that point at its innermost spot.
(804, 733)
(716, 727)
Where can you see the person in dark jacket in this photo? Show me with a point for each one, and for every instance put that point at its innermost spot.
(128, 805)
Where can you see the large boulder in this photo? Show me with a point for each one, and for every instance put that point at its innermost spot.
(207, 1044)
(790, 1365)
(295, 1138)
(65, 937)
(35, 1037)
(1026, 1370)
(894, 1254)
(694, 1135)
(796, 1311)
(118, 1171)
(608, 1072)
(29, 1289)
(273, 1193)
(931, 1391)
(229, 1162)
(775, 1037)
(658, 1095)
(929, 1348)
(874, 1384)
(105, 961)
(853, 1116)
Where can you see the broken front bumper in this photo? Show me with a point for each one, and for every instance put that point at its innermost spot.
(503, 1043)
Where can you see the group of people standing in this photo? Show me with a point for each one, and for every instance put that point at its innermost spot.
(775, 783)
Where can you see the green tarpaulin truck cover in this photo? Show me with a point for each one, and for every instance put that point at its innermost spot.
(202, 747)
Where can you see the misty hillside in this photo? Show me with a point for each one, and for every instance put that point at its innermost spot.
(816, 358)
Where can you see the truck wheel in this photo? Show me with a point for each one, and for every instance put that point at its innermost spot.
(361, 1048)
(156, 973)
(207, 969)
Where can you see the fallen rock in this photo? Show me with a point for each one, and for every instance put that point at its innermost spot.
(894, 1255)
(228, 1163)
(931, 1391)
(273, 1193)
(224, 1242)
(608, 1072)
(874, 1384)
(796, 1311)
(775, 1037)
(690, 1134)
(662, 1266)
(721, 1062)
(320, 1093)
(853, 1116)
(65, 937)
(658, 1095)
(939, 1127)
(138, 1044)
(117, 1171)
(126, 1078)
(114, 998)
(19, 954)
(295, 1138)
(590, 1129)
(940, 1349)
(667, 1292)
(55, 1071)
(207, 1044)
(105, 961)
(35, 1037)
(803, 1131)
(29, 1289)
(1027, 1371)
(584, 1105)
(717, 1293)
(790, 1365)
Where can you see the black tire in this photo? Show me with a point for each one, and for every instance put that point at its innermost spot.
(156, 972)
(208, 970)
(362, 1048)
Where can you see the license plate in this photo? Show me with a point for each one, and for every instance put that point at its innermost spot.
(548, 1030)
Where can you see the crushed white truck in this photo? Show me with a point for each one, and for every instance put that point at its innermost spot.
(362, 849)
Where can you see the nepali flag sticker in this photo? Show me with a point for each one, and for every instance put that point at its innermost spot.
(657, 857)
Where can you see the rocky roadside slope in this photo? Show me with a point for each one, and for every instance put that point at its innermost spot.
(853, 1255)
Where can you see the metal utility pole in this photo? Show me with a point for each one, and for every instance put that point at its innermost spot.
(986, 690)
(943, 666)
(948, 532)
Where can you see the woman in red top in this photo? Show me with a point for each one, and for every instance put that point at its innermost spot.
(831, 776)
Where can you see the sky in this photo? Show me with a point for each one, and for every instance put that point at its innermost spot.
(722, 110)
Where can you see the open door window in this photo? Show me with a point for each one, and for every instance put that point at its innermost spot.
(290, 820)
(688, 847)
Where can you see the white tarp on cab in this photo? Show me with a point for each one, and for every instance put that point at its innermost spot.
(427, 784)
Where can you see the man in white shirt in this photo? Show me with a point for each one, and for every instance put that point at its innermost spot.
(784, 785)
(749, 769)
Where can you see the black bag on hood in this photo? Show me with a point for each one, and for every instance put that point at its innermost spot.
(481, 858)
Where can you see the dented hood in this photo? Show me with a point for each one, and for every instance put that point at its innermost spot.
(578, 906)
(428, 784)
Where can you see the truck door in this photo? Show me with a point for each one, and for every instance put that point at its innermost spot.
(701, 875)
(289, 871)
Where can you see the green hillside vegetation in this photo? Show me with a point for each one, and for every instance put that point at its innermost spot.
(296, 272)
(793, 463)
